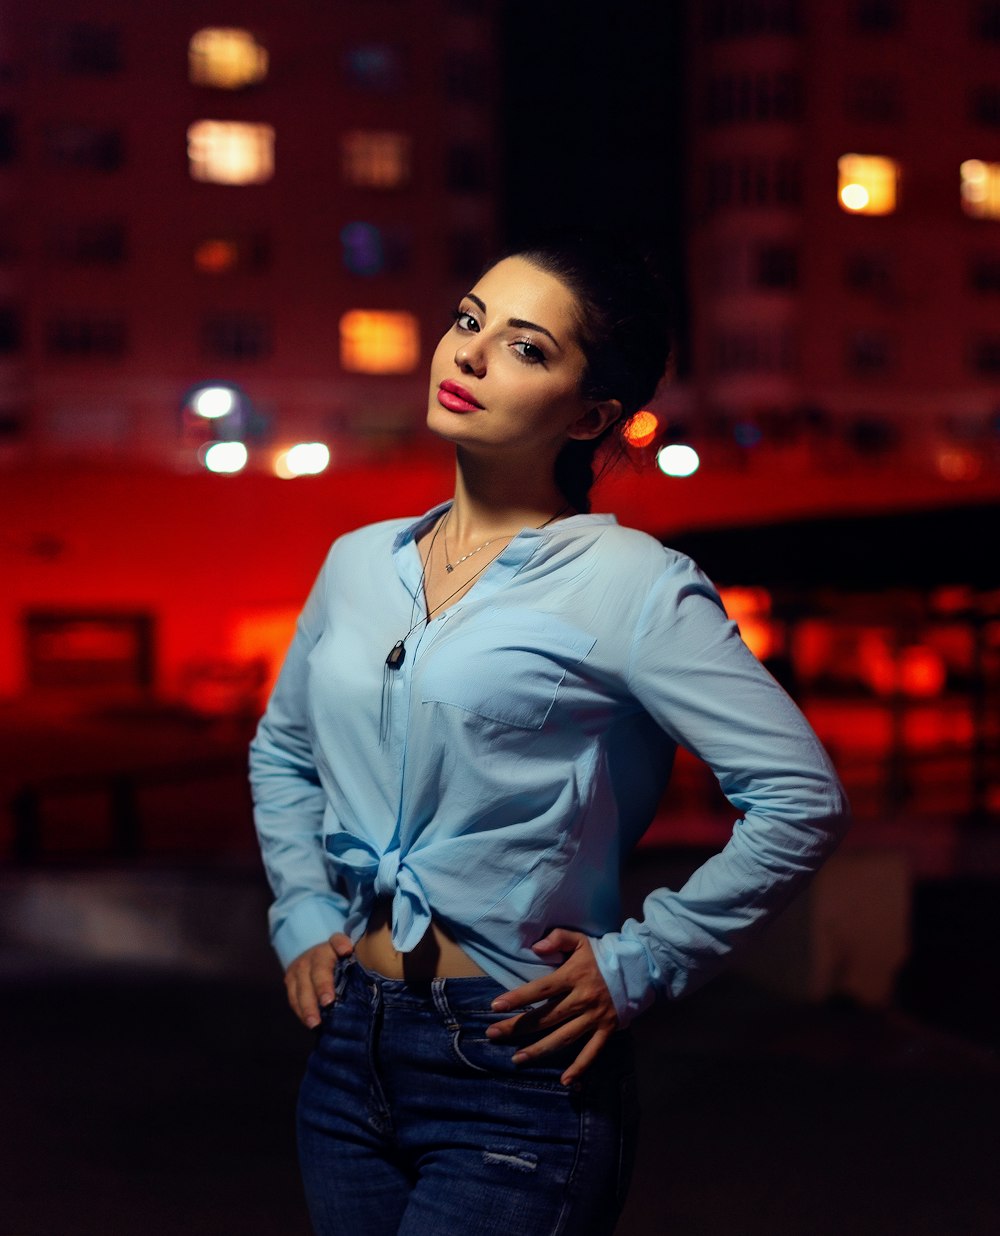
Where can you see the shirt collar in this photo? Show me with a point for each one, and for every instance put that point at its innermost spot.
(416, 527)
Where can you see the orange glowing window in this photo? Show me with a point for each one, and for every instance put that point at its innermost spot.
(379, 341)
(227, 58)
(216, 256)
(981, 189)
(375, 160)
(641, 429)
(227, 152)
(867, 184)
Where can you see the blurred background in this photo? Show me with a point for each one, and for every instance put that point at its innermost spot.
(230, 236)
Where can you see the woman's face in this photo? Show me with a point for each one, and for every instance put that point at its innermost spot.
(507, 375)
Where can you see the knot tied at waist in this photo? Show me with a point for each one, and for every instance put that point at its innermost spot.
(385, 874)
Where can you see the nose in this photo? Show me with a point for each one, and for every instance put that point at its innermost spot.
(470, 357)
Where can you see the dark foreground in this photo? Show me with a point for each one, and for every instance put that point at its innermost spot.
(137, 1104)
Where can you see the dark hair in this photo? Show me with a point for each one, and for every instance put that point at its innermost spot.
(623, 330)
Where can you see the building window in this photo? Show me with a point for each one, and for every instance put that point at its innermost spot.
(984, 106)
(375, 160)
(236, 336)
(100, 336)
(227, 58)
(981, 189)
(10, 330)
(227, 152)
(986, 21)
(753, 182)
(91, 242)
(466, 170)
(871, 272)
(763, 97)
(86, 147)
(984, 354)
(877, 16)
(867, 184)
(374, 67)
(90, 50)
(225, 254)
(467, 79)
(872, 100)
(984, 272)
(370, 250)
(734, 19)
(777, 267)
(379, 341)
(750, 351)
(869, 353)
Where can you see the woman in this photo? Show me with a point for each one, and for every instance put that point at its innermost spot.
(475, 722)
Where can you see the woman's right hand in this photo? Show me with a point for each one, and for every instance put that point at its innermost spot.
(309, 978)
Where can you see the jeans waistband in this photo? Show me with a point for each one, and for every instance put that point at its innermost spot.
(469, 994)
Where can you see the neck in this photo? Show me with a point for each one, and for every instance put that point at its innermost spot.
(490, 501)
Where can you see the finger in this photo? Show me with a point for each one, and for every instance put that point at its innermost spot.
(301, 995)
(567, 1033)
(559, 940)
(594, 1046)
(341, 944)
(321, 976)
(539, 989)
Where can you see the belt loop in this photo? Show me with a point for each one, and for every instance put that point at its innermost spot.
(440, 997)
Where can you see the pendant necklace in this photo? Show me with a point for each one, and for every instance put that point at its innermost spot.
(397, 652)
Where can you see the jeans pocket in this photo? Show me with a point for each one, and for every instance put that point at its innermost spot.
(495, 1057)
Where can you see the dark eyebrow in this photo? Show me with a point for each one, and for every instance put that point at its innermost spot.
(519, 323)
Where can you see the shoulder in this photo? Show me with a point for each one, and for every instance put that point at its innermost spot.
(643, 560)
(368, 539)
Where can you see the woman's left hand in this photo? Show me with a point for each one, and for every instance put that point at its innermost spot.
(577, 1003)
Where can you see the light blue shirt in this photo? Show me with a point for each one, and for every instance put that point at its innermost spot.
(527, 738)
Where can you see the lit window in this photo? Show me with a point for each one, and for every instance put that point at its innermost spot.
(981, 189)
(227, 152)
(222, 255)
(376, 160)
(867, 184)
(373, 341)
(226, 58)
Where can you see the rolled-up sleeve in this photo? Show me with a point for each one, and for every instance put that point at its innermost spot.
(690, 670)
(289, 801)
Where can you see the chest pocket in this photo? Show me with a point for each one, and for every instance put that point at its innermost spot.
(506, 666)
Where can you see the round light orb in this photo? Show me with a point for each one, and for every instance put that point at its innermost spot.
(855, 197)
(303, 459)
(641, 429)
(677, 460)
(225, 457)
(211, 402)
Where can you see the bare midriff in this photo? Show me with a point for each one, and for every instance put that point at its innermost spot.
(436, 956)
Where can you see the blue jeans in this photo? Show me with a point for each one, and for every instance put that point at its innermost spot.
(412, 1122)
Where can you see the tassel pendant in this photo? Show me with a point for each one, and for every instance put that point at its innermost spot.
(396, 654)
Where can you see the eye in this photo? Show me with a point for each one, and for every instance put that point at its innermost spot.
(529, 352)
(464, 320)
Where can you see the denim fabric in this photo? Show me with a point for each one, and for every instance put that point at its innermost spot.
(412, 1121)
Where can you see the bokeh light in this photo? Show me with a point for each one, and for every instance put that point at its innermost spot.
(211, 402)
(641, 429)
(677, 460)
(225, 457)
(302, 459)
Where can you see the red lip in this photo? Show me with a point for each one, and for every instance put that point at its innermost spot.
(454, 397)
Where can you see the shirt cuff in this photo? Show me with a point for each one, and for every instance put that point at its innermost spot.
(625, 967)
(305, 925)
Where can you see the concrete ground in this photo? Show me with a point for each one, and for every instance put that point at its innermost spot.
(148, 1103)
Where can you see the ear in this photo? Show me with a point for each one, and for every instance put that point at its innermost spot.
(595, 420)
